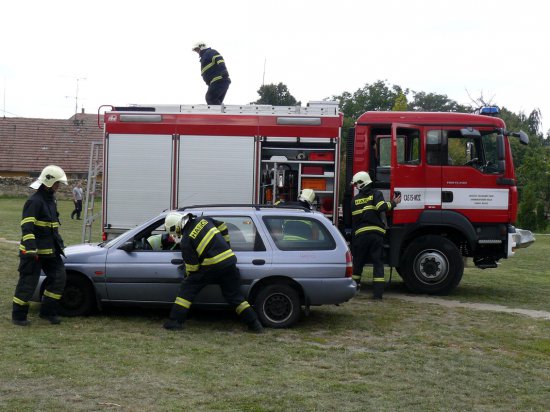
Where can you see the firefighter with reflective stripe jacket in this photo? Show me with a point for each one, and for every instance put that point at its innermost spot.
(214, 73)
(208, 259)
(368, 230)
(41, 248)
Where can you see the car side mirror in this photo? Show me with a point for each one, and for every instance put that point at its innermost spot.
(127, 246)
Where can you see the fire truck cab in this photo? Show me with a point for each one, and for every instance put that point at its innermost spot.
(459, 198)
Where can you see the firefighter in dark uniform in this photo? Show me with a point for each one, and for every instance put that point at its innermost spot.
(214, 73)
(41, 249)
(208, 259)
(305, 199)
(369, 230)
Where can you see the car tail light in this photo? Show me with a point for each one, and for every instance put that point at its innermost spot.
(349, 265)
(104, 236)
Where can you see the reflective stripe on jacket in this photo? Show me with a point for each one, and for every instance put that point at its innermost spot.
(212, 66)
(205, 243)
(40, 225)
(365, 211)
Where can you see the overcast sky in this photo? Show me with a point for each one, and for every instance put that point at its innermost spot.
(126, 52)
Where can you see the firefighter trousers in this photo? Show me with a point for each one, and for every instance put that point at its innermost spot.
(227, 278)
(367, 247)
(29, 274)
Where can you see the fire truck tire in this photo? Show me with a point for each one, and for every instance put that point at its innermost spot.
(78, 298)
(278, 306)
(432, 264)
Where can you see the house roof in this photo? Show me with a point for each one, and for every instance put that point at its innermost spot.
(27, 145)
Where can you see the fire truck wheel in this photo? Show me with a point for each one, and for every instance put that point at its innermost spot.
(78, 297)
(278, 306)
(432, 264)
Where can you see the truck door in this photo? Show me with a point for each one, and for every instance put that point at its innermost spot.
(408, 175)
(470, 173)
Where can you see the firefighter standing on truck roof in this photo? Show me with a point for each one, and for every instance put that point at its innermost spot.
(214, 73)
(41, 249)
(369, 230)
(208, 259)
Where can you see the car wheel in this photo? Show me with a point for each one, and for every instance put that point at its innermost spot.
(78, 298)
(278, 306)
(432, 264)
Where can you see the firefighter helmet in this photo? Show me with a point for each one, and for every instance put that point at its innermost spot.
(50, 174)
(199, 45)
(361, 179)
(175, 222)
(307, 195)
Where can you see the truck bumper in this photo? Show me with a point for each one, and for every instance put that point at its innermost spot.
(518, 239)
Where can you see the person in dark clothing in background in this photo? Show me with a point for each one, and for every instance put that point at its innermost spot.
(369, 230)
(214, 73)
(41, 248)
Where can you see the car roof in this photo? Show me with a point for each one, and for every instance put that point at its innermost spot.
(264, 209)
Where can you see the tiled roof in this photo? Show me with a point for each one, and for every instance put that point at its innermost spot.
(27, 145)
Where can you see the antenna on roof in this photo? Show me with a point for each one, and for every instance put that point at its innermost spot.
(75, 97)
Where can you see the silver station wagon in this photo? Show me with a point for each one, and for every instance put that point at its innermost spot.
(288, 258)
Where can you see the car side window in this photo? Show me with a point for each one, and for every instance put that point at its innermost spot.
(243, 235)
(155, 239)
(299, 233)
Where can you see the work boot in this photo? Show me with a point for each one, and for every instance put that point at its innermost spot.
(53, 319)
(19, 314)
(256, 327)
(173, 324)
(20, 322)
(378, 290)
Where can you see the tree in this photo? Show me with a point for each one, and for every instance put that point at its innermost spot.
(432, 102)
(276, 95)
(400, 104)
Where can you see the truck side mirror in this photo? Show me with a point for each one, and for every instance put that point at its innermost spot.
(523, 138)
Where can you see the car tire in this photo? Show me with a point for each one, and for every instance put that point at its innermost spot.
(278, 306)
(78, 298)
(432, 264)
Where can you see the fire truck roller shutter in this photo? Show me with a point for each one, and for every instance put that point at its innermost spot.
(133, 160)
(216, 169)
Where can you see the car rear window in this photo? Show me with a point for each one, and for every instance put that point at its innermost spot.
(243, 235)
(299, 233)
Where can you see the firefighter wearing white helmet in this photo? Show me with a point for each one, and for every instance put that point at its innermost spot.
(41, 248)
(305, 199)
(214, 73)
(368, 209)
(208, 259)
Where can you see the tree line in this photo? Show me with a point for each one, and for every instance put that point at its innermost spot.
(532, 162)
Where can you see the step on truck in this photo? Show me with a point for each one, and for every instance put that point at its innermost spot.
(158, 157)
(459, 196)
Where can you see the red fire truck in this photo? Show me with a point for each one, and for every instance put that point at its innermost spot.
(169, 156)
(459, 196)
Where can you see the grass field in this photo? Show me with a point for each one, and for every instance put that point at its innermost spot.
(363, 355)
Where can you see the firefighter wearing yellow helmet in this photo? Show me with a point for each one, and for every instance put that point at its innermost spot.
(208, 259)
(41, 248)
(369, 230)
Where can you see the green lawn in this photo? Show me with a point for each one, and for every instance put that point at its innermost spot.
(363, 355)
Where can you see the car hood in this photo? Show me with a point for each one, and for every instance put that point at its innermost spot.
(82, 251)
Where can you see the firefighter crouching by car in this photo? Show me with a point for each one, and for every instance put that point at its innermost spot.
(369, 230)
(41, 249)
(208, 259)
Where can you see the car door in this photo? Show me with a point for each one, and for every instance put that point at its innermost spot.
(142, 274)
(253, 257)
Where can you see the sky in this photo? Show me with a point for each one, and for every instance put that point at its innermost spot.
(58, 57)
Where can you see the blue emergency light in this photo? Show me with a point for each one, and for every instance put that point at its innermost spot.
(489, 110)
